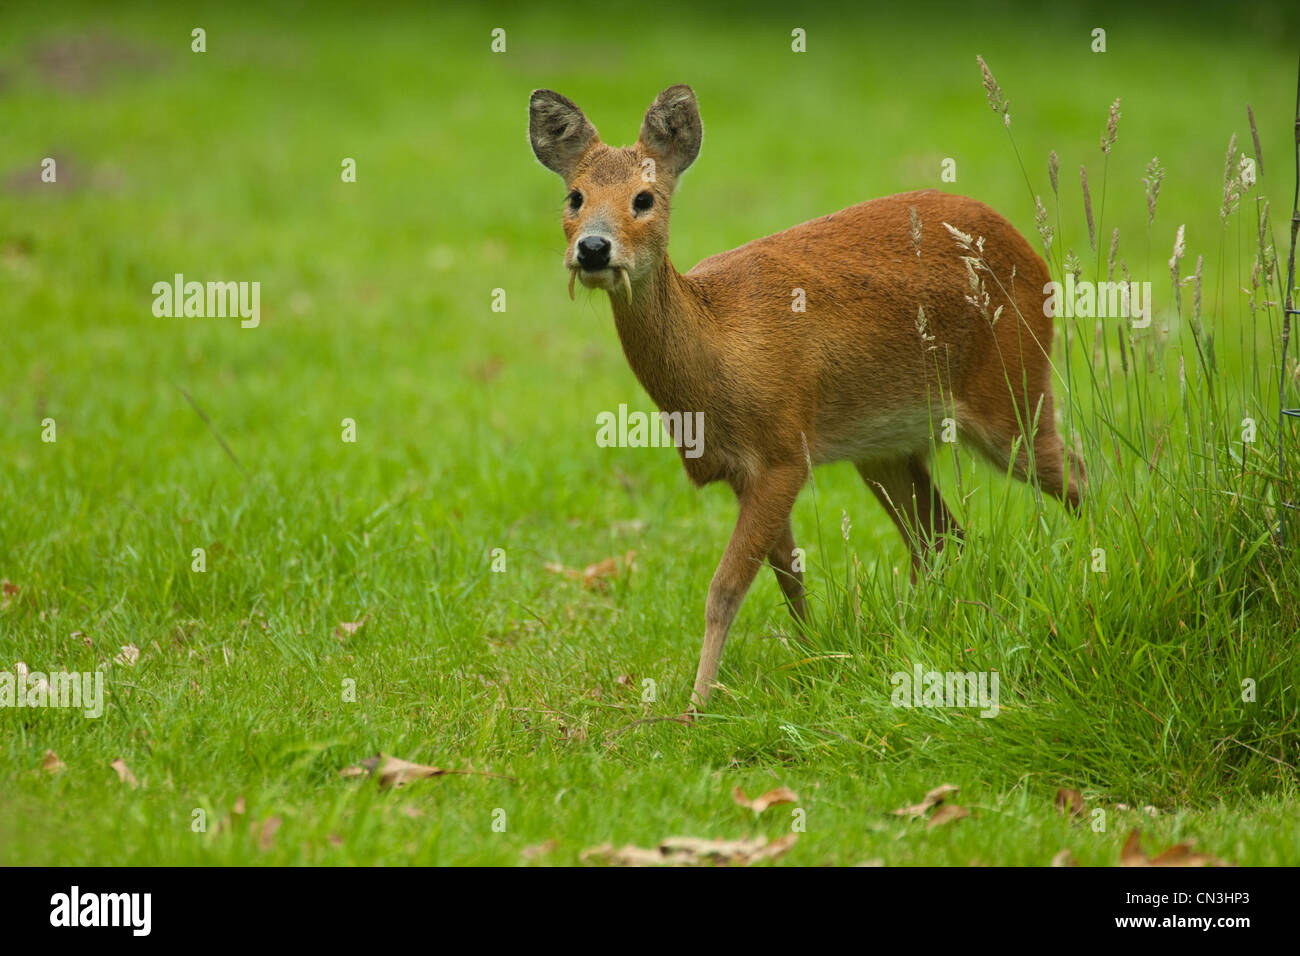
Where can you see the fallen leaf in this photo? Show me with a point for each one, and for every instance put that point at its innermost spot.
(769, 799)
(1180, 854)
(348, 628)
(488, 371)
(128, 655)
(266, 833)
(1064, 858)
(946, 814)
(7, 590)
(539, 849)
(394, 772)
(595, 577)
(1070, 802)
(238, 808)
(931, 799)
(334, 839)
(692, 851)
(52, 763)
(124, 773)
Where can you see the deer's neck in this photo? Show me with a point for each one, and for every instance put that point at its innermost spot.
(667, 337)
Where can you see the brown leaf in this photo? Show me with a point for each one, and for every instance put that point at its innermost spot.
(692, 851)
(7, 591)
(1070, 802)
(124, 773)
(348, 628)
(487, 371)
(769, 799)
(931, 799)
(1180, 854)
(334, 839)
(1064, 858)
(266, 832)
(52, 764)
(539, 849)
(595, 577)
(394, 772)
(128, 655)
(946, 814)
(238, 808)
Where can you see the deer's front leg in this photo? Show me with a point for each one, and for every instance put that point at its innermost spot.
(765, 504)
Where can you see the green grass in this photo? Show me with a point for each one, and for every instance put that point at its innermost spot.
(475, 431)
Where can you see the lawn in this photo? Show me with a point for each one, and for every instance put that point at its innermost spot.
(352, 599)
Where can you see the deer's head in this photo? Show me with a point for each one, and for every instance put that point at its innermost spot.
(616, 207)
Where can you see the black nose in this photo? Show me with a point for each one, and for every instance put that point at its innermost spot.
(593, 253)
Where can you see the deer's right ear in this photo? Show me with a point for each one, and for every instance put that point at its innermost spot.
(560, 134)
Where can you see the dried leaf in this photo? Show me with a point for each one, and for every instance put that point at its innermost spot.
(1070, 802)
(1180, 854)
(348, 628)
(692, 851)
(539, 849)
(266, 832)
(128, 655)
(931, 800)
(124, 773)
(769, 799)
(7, 590)
(595, 577)
(394, 772)
(52, 764)
(1064, 858)
(946, 814)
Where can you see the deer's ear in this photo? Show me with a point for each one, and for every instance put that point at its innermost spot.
(671, 131)
(560, 134)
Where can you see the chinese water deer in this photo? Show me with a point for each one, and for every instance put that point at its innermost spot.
(809, 346)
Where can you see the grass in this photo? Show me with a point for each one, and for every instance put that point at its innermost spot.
(475, 431)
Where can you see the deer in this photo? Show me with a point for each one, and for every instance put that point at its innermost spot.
(913, 305)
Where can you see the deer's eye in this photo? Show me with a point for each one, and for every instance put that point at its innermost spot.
(575, 201)
(643, 201)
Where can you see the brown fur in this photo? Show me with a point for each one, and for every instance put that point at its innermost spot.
(849, 378)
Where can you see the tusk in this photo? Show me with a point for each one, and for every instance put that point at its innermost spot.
(627, 283)
(573, 274)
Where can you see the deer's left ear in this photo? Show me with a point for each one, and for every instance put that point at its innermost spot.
(671, 132)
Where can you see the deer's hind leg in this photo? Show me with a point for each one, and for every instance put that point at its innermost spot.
(782, 560)
(907, 492)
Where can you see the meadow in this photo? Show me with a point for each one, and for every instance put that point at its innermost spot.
(474, 584)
